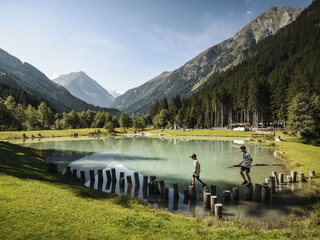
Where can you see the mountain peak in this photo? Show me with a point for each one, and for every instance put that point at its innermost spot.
(82, 86)
(268, 23)
(186, 79)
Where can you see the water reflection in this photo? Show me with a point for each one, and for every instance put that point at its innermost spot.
(168, 160)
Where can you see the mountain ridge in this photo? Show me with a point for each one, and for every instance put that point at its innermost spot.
(186, 79)
(37, 84)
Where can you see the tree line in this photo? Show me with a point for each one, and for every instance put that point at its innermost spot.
(15, 116)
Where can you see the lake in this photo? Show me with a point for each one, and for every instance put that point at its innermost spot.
(168, 160)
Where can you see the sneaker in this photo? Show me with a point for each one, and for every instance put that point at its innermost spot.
(245, 182)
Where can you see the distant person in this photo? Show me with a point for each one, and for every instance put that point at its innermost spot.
(245, 165)
(196, 171)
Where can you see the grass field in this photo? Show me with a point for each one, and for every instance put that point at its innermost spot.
(36, 204)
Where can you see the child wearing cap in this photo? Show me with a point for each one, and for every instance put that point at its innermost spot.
(245, 165)
(196, 171)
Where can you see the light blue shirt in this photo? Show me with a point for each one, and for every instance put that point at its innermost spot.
(246, 159)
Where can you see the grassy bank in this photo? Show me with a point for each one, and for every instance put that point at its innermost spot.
(11, 135)
(36, 204)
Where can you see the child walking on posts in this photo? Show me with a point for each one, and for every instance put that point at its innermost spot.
(196, 171)
(245, 165)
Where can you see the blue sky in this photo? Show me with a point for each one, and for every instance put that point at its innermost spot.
(121, 43)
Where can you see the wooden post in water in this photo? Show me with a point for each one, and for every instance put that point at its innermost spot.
(122, 183)
(192, 192)
(289, 179)
(249, 192)
(161, 186)
(213, 190)
(175, 204)
(266, 192)
(218, 210)
(129, 181)
(186, 194)
(312, 173)
(235, 193)
(152, 178)
(266, 180)
(213, 201)
(108, 185)
(74, 172)
(108, 173)
(145, 181)
(281, 178)
(175, 191)
(82, 176)
(207, 202)
(204, 192)
(294, 176)
(136, 191)
(257, 192)
(272, 184)
(165, 193)
(121, 175)
(227, 195)
(136, 179)
(91, 172)
(144, 192)
(68, 170)
(301, 177)
(151, 187)
(156, 187)
(275, 175)
(113, 174)
(100, 176)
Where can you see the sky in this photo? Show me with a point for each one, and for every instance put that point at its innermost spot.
(121, 44)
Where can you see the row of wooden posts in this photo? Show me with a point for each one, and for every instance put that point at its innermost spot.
(153, 186)
(278, 179)
(257, 193)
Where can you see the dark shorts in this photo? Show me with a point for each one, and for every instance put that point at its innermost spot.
(246, 169)
(195, 176)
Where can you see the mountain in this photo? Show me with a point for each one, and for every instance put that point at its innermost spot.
(114, 93)
(35, 83)
(82, 86)
(277, 84)
(14, 90)
(185, 80)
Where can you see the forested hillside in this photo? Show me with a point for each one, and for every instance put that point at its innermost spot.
(268, 87)
(29, 79)
(15, 91)
(189, 77)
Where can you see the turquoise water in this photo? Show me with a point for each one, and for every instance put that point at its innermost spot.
(168, 160)
(165, 158)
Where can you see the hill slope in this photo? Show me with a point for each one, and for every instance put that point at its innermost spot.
(31, 80)
(261, 89)
(194, 73)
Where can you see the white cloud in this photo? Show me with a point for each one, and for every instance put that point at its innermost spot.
(249, 13)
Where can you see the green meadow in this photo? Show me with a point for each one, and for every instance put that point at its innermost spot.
(36, 204)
